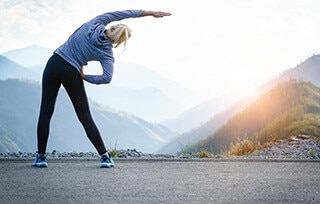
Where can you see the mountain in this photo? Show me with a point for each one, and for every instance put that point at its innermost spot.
(142, 92)
(30, 56)
(203, 131)
(10, 69)
(134, 88)
(149, 103)
(19, 109)
(135, 76)
(291, 108)
(200, 114)
(309, 70)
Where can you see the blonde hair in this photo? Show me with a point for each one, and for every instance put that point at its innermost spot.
(120, 34)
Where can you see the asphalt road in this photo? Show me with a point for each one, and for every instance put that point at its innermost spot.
(141, 181)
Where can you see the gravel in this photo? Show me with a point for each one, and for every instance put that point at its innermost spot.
(301, 147)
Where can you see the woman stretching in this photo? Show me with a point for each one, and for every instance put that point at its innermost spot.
(90, 42)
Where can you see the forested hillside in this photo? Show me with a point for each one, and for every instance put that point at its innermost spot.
(290, 108)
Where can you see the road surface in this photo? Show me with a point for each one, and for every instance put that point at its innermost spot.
(160, 181)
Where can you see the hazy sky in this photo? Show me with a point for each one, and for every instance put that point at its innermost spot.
(212, 46)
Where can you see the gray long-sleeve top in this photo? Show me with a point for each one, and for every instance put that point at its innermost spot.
(89, 43)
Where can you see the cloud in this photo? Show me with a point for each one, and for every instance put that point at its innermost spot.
(25, 22)
(199, 43)
(21, 21)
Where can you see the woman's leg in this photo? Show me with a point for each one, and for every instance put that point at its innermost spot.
(50, 88)
(74, 86)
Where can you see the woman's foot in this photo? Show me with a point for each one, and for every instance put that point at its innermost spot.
(106, 161)
(40, 161)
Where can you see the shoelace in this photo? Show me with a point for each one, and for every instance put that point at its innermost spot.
(105, 158)
(41, 158)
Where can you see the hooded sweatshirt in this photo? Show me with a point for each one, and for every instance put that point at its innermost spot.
(89, 43)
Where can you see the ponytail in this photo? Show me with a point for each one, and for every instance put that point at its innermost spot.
(120, 34)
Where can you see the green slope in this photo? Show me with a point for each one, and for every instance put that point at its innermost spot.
(290, 108)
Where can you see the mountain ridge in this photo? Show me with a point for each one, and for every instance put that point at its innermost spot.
(312, 65)
(131, 82)
(19, 108)
(26, 56)
(290, 108)
(10, 69)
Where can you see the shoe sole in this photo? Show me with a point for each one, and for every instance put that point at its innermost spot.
(43, 164)
(105, 166)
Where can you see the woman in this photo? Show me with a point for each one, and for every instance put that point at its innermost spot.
(90, 42)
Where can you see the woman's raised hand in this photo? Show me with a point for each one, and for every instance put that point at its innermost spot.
(83, 76)
(160, 14)
(156, 14)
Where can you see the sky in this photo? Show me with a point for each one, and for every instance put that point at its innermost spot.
(209, 46)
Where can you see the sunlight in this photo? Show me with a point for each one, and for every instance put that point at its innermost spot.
(201, 47)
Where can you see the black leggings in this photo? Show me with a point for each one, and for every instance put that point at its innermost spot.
(57, 72)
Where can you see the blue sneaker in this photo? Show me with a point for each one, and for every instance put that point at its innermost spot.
(40, 161)
(106, 161)
(111, 161)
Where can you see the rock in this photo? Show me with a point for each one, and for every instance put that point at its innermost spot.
(297, 147)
